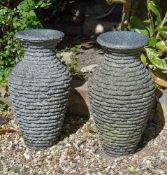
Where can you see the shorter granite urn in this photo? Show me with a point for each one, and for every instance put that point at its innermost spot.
(39, 86)
(121, 92)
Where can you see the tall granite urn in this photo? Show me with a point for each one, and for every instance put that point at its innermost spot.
(121, 92)
(39, 87)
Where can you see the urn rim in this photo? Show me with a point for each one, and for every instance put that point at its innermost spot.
(122, 40)
(39, 35)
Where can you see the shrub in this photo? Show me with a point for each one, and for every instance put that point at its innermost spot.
(155, 28)
(13, 19)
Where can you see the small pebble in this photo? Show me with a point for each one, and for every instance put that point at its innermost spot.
(78, 153)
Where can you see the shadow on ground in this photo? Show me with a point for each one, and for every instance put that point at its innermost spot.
(77, 111)
(71, 125)
(153, 128)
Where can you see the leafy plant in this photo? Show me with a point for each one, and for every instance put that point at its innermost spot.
(72, 65)
(4, 109)
(154, 27)
(93, 129)
(4, 101)
(13, 19)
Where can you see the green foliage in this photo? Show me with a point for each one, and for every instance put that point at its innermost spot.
(109, 2)
(162, 46)
(93, 129)
(16, 16)
(153, 7)
(155, 29)
(163, 32)
(154, 58)
(138, 25)
(73, 65)
(4, 109)
(21, 17)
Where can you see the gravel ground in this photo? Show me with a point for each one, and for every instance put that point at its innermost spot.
(78, 153)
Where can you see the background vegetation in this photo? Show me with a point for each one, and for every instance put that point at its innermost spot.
(14, 17)
(25, 14)
(155, 28)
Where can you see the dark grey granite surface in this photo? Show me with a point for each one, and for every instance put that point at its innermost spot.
(39, 87)
(122, 40)
(121, 92)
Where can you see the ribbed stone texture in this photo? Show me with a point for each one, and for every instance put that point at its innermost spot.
(39, 87)
(121, 92)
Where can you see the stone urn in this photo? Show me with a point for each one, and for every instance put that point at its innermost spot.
(39, 86)
(121, 92)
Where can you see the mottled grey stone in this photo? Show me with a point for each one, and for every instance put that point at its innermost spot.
(39, 87)
(121, 92)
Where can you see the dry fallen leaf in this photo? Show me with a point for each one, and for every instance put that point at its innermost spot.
(6, 130)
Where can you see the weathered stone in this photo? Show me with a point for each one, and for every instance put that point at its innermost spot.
(89, 57)
(99, 29)
(161, 111)
(121, 92)
(79, 101)
(89, 68)
(39, 86)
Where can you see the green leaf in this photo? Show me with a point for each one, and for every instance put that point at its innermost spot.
(43, 4)
(138, 25)
(162, 28)
(163, 31)
(26, 5)
(162, 46)
(159, 26)
(163, 34)
(93, 129)
(12, 20)
(143, 59)
(154, 8)
(155, 60)
(152, 41)
(109, 2)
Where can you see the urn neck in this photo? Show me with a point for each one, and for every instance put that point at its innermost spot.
(36, 48)
(39, 44)
(122, 57)
(41, 51)
(125, 46)
(135, 53)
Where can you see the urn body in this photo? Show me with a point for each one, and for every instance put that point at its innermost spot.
(39, 87)
(121, 92)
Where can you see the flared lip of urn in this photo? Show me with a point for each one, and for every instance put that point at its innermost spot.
(122, 40)
(39, 35)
